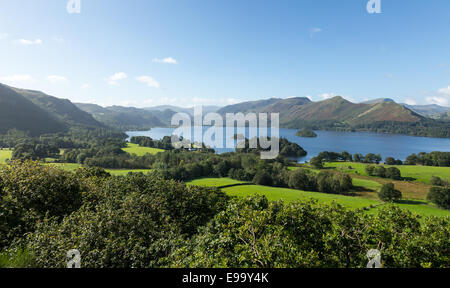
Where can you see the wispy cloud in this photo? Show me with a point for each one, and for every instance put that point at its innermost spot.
(114, 79)
(3, 36)
(327, 95)
(410, 101)
(442, 98)
(168, 60)
(29, 42)
(85, 86)
(149, 81)
(313, 31)
(56, 79)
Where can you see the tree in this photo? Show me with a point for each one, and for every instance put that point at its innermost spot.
(436, 181)
(317, 163)
(380, 171)
(388, 193)
(370, 170)
(262, 178)
(299, 179)
(393, 173)
(440, 196)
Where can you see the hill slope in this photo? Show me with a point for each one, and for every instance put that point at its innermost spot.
(128, 118)
(382, 116)
(62, 109)
(17, 112)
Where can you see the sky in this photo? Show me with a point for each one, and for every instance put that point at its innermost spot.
(145, 53)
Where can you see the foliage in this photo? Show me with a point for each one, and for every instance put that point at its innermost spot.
(306, 133)
(253, 233)
(440, 196)
(388, 193)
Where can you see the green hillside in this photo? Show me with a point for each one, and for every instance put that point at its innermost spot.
(128, 118)
(339, 114)
(62, 109)
(17, 112)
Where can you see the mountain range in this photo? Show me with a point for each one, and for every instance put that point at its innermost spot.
(40, 113)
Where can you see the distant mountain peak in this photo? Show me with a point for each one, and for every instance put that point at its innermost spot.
(379, 100)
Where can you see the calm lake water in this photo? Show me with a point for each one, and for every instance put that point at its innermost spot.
(388, 145)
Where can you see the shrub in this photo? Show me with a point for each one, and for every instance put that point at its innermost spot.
(31, 192)
(393, 173)
(301, 180)
(317, 163)
(440, 196)
(388, 193)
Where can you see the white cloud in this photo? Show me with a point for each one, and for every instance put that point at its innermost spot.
(113, 80)
(445, 91)
(327, 95)
(443, 97)
(56, 79)
(314, 31)
(442, 101)
(149, 81)
(30, 42)
(85, 86)
(168, 60)
(18, 79)
(3, 36)
(410, 101)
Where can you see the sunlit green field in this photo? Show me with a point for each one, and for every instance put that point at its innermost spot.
(140, 151)
(419, 207)
(420, 173)
(368, 184)
(215, 182)
(4, 155)
(290, 195)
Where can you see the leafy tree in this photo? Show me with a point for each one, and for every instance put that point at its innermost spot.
(316, 162)
(440, 196)
(393, 173)
(301, 180)
(388, 193)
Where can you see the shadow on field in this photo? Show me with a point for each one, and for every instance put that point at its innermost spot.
(412, 202)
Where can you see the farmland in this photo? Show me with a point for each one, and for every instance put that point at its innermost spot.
(4, 155)
(140, 151)
(368, 199)
(215, 182)
(417, 173)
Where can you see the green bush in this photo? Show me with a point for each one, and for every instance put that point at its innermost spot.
(139, 222)
(440, 196)
(393, 173)
(388, 193)
(253, 233)
(29, 192)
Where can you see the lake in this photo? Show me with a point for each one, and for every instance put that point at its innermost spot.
(388, 145)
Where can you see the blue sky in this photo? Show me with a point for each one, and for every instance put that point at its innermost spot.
(150, 52)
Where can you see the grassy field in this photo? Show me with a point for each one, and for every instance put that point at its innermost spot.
(366, 184)
(420, 207)
(290, 195)
(140, 151)
(4, 155)
(214, 182)
(422, 174)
